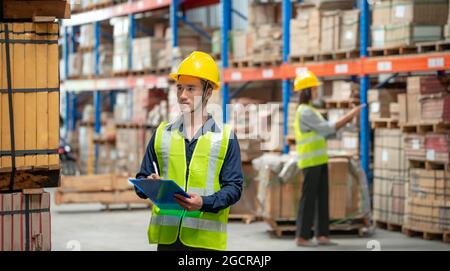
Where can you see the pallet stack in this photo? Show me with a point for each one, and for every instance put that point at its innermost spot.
(29, 122)
(427, 149)
(402, 23)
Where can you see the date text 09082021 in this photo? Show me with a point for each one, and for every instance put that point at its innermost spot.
(260, 261)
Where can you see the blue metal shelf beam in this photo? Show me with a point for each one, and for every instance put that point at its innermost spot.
(287, 14)
(226, 28)
(364, 86)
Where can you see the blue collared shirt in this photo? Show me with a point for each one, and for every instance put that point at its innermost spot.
(230, 178)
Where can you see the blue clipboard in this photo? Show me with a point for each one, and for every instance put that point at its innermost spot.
(160, 192)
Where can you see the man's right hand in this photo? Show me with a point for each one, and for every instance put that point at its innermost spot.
(154, 177)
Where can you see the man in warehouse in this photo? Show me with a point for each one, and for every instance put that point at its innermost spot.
(311, 131)
(201, 156)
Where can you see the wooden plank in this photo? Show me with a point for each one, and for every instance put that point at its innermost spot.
(46, 223)
(53, 97)
(19, 97)
(42, 97)
(35, 223)
(118, 197)
(30, 98)
(16, 222)
(89, 183)
(33, 191)
(22, 9)
(31, 179)
(2, 71)
(7, 206)
(6, 138)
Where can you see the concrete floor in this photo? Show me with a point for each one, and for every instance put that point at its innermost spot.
(90, 227)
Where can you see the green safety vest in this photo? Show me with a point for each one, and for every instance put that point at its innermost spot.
(194, 228)
(311, 147)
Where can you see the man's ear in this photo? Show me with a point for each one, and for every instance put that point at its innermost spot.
(208, 94)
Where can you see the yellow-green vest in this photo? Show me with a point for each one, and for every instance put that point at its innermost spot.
(194, 228)
(311, 147)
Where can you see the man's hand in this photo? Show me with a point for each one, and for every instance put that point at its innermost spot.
(154, 177)
(194, 203)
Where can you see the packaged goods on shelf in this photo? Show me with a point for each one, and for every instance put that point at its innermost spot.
(145, 52)
(424, 12)
(379, 102)
(404, 34)
(330, 31)
(349, 30)
(20, 212)
(390, 176)
(34, 66)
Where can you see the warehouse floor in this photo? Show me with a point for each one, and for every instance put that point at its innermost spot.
(90, 227)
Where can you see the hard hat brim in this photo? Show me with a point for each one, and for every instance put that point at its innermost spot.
(318, 84)
(175, 76)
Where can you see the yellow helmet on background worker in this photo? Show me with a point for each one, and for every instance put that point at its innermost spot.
(305, 81)
(201, 65)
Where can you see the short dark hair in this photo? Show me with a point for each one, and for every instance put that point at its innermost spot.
(305, 96)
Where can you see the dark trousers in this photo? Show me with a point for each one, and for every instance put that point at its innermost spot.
(178, 246)
(314, 202)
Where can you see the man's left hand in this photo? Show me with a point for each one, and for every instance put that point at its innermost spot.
(194, 203)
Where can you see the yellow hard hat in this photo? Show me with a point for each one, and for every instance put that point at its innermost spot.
(306, 80)
(201, 65)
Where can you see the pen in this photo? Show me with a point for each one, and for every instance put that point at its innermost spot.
(155, 168)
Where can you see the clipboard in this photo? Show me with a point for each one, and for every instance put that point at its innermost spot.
(160, 192)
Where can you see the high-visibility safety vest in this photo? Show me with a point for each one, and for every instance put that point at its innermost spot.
(311, 147)
(194, 228)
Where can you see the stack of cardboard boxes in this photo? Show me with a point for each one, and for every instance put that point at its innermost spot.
(324, 27)
(29, 133)
(404, 22)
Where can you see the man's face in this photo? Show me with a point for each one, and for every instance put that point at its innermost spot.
(314, 93)
(189, 93)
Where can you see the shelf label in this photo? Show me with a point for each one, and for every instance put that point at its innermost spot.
(384, 156)
(431, 155)
(161, 82)
(140, 82)
(119, 9)
(384, 66)
(341, 68)
(140, 4)
(267, 73)
(436, 62)
(300, 71)
(415, 144)
(122, 83)
(236, 76)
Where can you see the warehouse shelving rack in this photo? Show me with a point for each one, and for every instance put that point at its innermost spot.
(361, 67)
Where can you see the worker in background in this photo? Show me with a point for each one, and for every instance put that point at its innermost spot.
(311, 131)
(200, 155)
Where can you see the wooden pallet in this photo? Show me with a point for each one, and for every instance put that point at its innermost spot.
(266, 62)
(426, 234)
(340, 104)
(429, 165)
(104, 197)
(395, 50)
(246, 218)
(422, 128)
(388, 226)
(122, 74)
(384, 123)
(30, 178)
(241, 63)
(301, 58)
(287, 227)
(346, 54)
(435, 46)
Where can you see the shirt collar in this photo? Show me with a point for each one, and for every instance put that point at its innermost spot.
(209, 126)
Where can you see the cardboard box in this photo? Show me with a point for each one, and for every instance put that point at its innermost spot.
(145, 52)
(435, 109)
(349, 30)
(415, 146)
(248, 204)
(379, 102)
(389, 148)
(427, 84)
(19, 212)
(437, 147)
(330, 31)
(381, 12)
(408, 34)
(379, 36)
(425, 12)
(403, 113)
(34, 66)
(344, 90)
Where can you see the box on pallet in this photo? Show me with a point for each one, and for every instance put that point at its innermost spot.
(34, 66)
(415, 146)
(404, 34)
(381, 12)
(145, 52)
(390, 176)
(248, 204)
(330, 31)
(349, 30)
(379, 102)
(19, 212)
(426, 12)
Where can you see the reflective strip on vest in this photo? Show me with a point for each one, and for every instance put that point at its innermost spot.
(216, 144)
(165, 220)
(204, 224)
(165, 152)
(310, 139)
(312, 154)
(198, 190)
